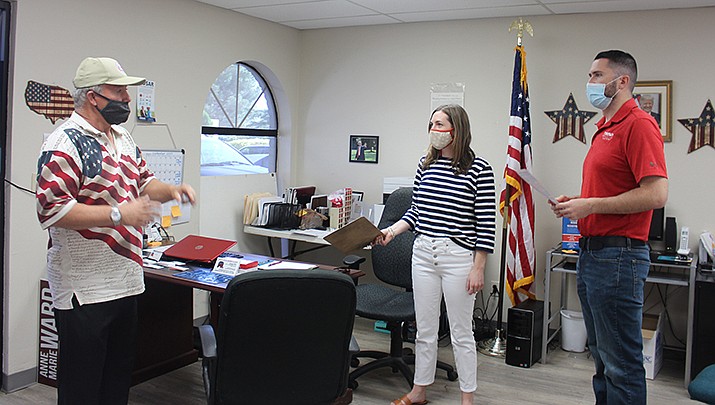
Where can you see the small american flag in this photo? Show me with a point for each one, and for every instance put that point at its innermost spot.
(520, 254)
(53, 102)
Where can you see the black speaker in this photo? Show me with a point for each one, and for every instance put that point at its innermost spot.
(703, 354)
(524, 333)
(671, 235)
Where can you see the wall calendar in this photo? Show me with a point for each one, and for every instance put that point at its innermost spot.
(168, 166)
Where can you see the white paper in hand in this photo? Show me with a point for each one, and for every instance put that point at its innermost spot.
(528, 177)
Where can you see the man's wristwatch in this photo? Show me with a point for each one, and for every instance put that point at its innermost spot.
(116, 216)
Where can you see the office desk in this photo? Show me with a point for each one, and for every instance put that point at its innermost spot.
(287, 236)
(682, 275)
(165, 336)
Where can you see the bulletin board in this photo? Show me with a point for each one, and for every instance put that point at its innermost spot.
(168, 166)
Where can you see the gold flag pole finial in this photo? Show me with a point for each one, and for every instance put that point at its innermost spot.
(521, 25)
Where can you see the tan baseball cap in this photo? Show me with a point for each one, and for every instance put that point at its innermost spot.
(95, 71)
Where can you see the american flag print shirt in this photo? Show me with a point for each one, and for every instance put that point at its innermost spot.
(78, 166)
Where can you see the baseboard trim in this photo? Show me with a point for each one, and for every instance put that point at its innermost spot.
(18, 381)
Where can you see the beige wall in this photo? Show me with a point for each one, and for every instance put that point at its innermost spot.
(376, 80)
(180, 44)
(372, 80)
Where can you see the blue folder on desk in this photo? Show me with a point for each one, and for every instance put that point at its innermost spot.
(205, 276)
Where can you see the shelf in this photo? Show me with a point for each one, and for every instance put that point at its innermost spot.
(678, 274)
(565, 267)
(667, 278)
(654, 276)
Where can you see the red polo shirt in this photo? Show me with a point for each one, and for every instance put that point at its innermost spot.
(623, 151)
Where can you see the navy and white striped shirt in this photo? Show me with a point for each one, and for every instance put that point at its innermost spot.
(458, 206)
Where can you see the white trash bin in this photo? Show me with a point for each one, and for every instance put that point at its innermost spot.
(573, 331)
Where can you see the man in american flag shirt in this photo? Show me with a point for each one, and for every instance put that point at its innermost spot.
(94, 193)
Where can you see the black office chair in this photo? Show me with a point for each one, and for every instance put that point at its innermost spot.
(283, 338)
(392, 264)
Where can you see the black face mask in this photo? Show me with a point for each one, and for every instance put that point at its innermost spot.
(115, 112)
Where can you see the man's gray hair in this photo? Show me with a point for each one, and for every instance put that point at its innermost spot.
(80, 95)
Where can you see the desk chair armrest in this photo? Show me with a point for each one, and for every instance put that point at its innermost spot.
(208, 364)
(208, 341)
(353, 261)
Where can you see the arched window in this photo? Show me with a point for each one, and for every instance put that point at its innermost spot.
(240, 124)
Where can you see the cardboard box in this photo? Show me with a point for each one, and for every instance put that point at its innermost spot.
(652, 331)
(570, 234)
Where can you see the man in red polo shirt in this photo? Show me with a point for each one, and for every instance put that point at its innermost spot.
(624, 179)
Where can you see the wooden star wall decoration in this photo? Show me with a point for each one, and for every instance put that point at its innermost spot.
(702, 128)
(569, 120)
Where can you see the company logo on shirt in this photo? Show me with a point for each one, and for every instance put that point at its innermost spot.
(607, 136)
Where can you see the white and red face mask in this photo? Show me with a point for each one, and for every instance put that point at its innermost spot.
(440, 139)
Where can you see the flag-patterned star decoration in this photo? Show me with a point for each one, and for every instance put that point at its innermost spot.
(54, 102)
(569, 120)
(702, 128)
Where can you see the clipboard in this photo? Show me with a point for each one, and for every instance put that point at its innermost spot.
(353, 236)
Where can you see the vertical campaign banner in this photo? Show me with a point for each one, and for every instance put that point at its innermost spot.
(145, 102)
(49, 349)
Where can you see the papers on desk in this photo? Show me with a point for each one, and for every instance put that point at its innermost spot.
(353, 236)
(281, 265)
(225, 269)
(311, 232)
(255, 208)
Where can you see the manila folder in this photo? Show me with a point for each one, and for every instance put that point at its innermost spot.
(355, 235)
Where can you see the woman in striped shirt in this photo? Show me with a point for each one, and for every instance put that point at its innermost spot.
(453, 216)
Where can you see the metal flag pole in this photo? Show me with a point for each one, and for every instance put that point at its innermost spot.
(496, 346)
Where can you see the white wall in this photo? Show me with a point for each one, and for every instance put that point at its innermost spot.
(376, 80)
(180, 44)
(372, 80)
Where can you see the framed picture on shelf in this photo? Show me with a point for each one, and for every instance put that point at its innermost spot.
(655, 98)
(364, 148)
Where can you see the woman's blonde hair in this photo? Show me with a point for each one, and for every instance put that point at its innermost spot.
(462, 138)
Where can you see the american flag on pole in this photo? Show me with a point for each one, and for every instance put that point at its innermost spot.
(53, 102)
(520, 254)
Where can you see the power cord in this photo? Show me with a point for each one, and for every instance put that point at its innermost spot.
(483, 320)
(27, 190)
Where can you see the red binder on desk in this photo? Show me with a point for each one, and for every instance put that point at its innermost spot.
(199, 248)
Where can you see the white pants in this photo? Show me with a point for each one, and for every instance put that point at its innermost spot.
(441, 266)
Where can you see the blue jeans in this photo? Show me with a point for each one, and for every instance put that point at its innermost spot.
(610, 287)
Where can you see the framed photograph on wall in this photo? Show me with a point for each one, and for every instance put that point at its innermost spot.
(655, 98)
(364, 148)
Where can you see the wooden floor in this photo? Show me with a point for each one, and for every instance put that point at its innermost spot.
(564, 380)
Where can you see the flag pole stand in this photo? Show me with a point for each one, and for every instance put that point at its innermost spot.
(496, 346)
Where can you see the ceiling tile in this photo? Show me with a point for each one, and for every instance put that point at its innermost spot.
(621, 5)
(341, 22)
(307, 14)
(307, 11)
(234, 4)
(472, 13)
(408, 6)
